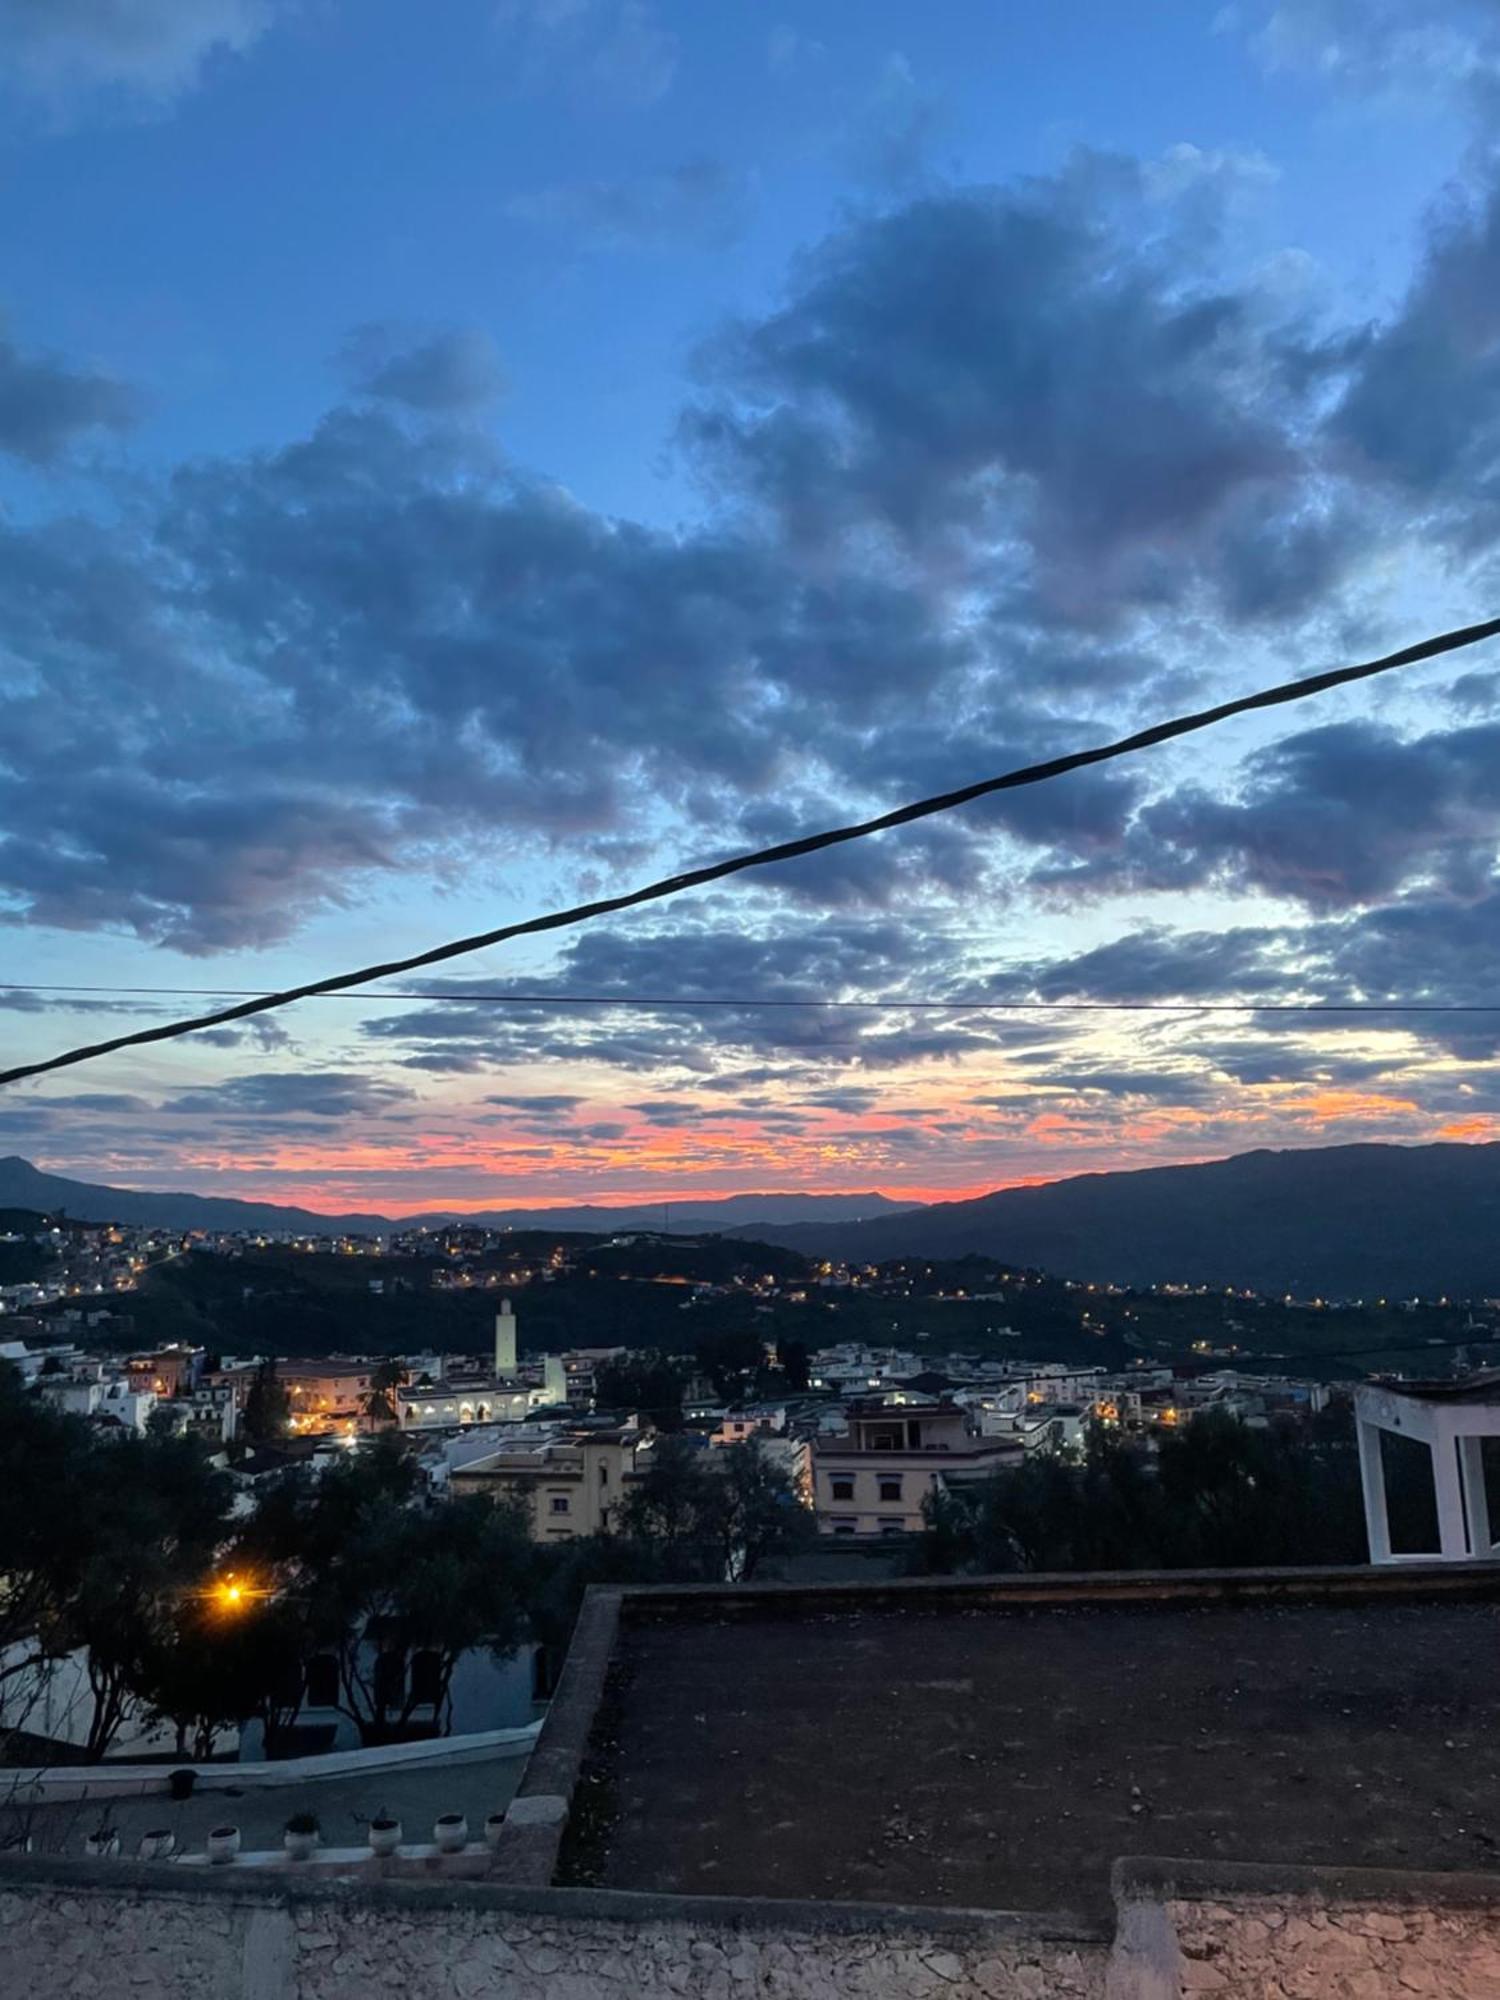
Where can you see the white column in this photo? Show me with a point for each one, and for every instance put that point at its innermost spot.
(1372, 1479)
(1453, 1541)
(1471, 1462)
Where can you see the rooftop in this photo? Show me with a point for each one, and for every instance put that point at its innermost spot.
(912, 1745)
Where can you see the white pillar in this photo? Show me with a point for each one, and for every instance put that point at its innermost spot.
(1471, 1463)
(1372, 1479)
(1453, 1541)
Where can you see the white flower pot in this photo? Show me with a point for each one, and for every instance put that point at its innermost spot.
(102, 1846)
(451, 1833)
(158, 1845)
(223, 1844)
(300, 1846)
(494, 1826)
(385, 1836)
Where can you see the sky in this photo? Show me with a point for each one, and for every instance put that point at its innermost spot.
(454, 461)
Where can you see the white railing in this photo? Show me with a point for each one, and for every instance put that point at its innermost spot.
(53, 1784)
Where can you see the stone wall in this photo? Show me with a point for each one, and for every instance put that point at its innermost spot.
(1307, 1950)
(71, 1930)
(1243, 1931)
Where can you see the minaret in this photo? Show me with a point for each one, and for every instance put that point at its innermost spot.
(505, 1340)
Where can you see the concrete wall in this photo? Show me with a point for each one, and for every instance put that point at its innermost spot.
(69, 1931)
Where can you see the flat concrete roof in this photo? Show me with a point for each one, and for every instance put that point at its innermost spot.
(945, 1750)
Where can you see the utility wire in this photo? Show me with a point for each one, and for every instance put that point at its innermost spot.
(788, 850)
(646, 1003)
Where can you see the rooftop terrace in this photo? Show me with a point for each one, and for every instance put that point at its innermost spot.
(962, 1746)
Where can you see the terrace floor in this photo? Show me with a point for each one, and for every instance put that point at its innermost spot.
(1002, 1758)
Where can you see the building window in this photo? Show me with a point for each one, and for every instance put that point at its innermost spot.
(604, 1475)
(844, 1526)
(843, 1489)
(892, 1528)
(890, 1489)
(560, 1503)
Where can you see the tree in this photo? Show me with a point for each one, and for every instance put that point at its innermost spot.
(761, 1515)
(794, 1359)
(361, 1572)
(732, 1359)
(268, 1408)
(1220, 1495)
(713, 1514)
(380, 1403)
(159, 1516)
(647, 1381)
(441, 1581)
(44, 1538)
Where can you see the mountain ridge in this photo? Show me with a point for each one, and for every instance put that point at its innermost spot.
(1361, 1220)
(23, 1185)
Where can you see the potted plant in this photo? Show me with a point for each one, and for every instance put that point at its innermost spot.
(385, 1833)
(103, 1842)
(158, 1844)
(493, 1827)
(222, 1844)
(451, 1832)
(300, 1836)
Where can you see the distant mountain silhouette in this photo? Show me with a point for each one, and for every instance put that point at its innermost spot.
(1334, 1221)
(25, 1186)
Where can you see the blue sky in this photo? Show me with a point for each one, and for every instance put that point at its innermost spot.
(454, 459)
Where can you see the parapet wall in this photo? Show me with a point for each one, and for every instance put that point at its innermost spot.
(1241, 1931)
(71, 1930)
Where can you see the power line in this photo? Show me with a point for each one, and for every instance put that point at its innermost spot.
(789, 850)
(647, 1002)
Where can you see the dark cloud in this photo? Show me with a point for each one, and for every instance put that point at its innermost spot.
(1000, 459)
(1343, 814)
(1422, 407)
(702, 203)
(281, 1094)
(1052, 373)
(799, 973)
(47, 405)
(449, 373)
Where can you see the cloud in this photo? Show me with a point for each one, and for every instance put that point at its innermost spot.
(1000, 458)
(1049, 383)
(888, 140)
(702, 203)
(1388, 50)
(1347, 813)
(616, 50)
(1421, 410)
(449, 373)
(153, 49)
(277, 1095)
(46, 406)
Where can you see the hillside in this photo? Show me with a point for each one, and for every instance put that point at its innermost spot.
(1337, 1221)
(25, 1186)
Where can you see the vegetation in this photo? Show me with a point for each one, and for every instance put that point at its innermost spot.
(1220, 1496)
